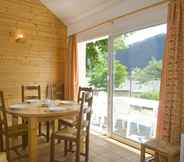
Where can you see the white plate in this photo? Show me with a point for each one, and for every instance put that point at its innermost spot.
(19, 106)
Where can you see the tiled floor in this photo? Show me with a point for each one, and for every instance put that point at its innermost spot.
(102, 149)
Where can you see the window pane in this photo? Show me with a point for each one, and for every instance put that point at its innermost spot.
(137, 65)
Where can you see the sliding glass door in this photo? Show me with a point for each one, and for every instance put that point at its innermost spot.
(126, 82)
(135, 64)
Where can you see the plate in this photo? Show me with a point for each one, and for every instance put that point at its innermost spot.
(67, 102)
(19, 106)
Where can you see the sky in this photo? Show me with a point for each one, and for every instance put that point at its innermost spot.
(146, 33)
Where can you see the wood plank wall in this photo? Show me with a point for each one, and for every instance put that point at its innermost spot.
(39, 59)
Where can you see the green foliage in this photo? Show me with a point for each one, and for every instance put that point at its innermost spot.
(97, 65)
(119, 43)
(95, 52)
(121, 73)
(151, 95)
(149, 73)
(98, 77)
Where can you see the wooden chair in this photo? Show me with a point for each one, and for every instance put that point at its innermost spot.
(55, 91)
(30, 88)
(78, 134)
(87, 90)
(160, 148)
(37, 95)
(71, 121)
(10, 132)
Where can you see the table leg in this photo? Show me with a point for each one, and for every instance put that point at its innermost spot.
(54, 126)
(32, 139)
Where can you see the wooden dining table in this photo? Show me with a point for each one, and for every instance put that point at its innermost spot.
(35, 114)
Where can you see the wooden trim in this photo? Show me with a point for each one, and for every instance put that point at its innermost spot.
(124, 15)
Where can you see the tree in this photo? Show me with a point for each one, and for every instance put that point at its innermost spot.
(95, 52)
(119, 44)
(97, 65)
(149, 73)
(98, 75)
(121, 73)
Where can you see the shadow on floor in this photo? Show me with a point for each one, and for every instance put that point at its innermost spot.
(102, 149)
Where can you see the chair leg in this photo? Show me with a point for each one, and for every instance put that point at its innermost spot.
(7, 148)
(52, 149)
(25, 137)
(70, 146)
(24, 141)
(77, 159)
(65, 147)
(48, 131)
(40, 129)
(142, 159)
(87, 149)
(1, 143)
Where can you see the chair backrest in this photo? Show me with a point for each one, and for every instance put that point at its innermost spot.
(55, 91)
(3, 115)
(87, 90)
(31, 88)
(85, 114)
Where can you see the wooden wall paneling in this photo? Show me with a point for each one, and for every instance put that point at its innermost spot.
(37, 60)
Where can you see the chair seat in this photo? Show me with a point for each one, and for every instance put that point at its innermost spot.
(69, 121)
(3, 157)
(20, 129)
(162, 147)
(68, 133)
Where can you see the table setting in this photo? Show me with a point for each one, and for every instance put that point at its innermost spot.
(36, 111)
(47, 104)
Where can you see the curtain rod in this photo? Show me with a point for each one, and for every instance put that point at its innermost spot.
(122, 16)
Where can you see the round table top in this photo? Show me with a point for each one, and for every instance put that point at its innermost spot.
(33, 111)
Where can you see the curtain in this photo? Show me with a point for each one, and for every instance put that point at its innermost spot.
(171, 109)
(71, 70)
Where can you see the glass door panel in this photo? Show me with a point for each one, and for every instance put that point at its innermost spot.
(136, 71)
(95, 53)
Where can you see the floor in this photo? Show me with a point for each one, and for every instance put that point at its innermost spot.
(102, 149)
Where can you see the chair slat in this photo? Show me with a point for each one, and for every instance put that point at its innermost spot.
(31, 97)
(31, 87)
